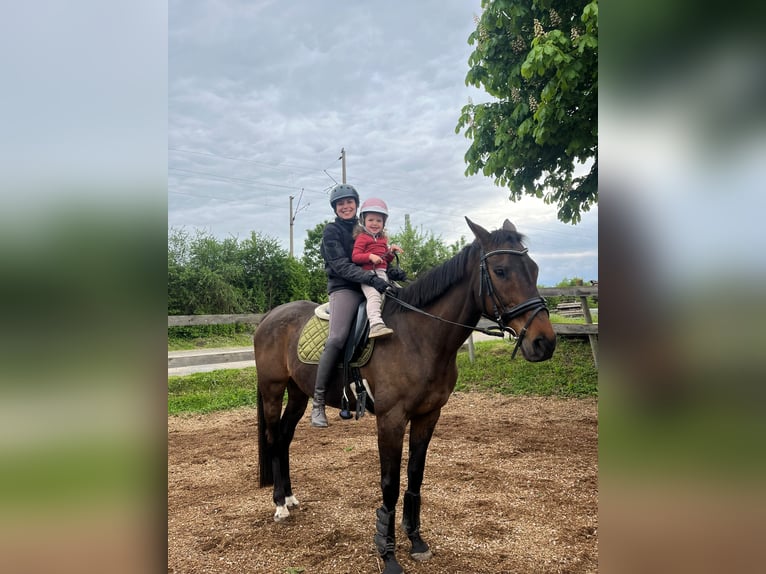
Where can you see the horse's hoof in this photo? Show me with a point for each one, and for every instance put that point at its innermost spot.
(420, 551)
(393, 567)
(281, 514)
(421, 556)
(291, 502)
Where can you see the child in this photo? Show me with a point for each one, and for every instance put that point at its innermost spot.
(372, 252)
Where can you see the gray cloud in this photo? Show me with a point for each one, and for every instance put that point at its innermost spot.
(263, 96)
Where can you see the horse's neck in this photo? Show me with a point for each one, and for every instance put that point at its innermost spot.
(458, 306)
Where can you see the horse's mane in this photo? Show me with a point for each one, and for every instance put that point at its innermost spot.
(439, 279)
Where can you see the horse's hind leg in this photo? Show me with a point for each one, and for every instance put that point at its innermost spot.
(421, 431)
(294, 410)
(270, 395)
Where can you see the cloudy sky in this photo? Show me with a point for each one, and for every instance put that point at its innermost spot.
(263, 95)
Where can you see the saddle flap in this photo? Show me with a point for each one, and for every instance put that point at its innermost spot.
(359, 331)
(313, 337)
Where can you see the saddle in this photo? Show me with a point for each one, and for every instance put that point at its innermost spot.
(357, 352)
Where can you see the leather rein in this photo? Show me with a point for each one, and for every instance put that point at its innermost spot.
(502, 313)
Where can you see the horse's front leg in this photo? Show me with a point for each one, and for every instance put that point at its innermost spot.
(421, 431)
(390, 438)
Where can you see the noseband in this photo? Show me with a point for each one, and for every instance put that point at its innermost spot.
(502, 313)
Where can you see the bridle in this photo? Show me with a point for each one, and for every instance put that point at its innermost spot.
(501, 312)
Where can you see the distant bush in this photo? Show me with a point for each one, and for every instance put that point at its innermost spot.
(201, 331)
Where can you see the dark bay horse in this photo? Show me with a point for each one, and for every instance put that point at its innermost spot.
(411, 373)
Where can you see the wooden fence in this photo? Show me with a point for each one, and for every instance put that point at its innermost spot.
(589, 329)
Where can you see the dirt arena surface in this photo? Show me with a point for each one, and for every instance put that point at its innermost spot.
(511, 485)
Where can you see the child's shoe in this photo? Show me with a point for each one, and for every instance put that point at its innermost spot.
(380, 330)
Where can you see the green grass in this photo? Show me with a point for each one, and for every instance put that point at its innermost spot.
(570, 373)
(212, 391)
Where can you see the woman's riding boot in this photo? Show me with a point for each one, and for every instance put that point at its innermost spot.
(324, 372)
(318, 416)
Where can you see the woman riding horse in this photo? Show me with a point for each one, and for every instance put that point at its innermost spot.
(343, 285)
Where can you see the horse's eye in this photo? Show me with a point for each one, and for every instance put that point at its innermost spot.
(500, 272)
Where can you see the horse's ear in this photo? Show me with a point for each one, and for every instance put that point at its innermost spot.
(481, 234)
(508, 226)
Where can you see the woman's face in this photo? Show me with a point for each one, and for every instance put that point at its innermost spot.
(345, 208)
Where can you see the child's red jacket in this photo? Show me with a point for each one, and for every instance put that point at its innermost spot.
(366, 244)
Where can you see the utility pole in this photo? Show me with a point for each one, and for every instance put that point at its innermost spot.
(343, 162)
(292, 216)
(292, 219)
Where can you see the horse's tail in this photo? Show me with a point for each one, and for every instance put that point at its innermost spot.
(265, 471)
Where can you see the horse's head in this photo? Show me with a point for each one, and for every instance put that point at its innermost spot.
(507, 290)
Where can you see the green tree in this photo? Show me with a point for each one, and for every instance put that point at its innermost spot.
(208, 276)
(457, 246)
(272, 277)
(178, 258)
(422, 250)
(203, 274)
(314, 264)
(539, 60)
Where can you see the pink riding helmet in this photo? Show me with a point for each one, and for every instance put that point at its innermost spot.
(374, 205)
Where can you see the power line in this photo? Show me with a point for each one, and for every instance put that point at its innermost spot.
(241, 180)
(245, 160)
(239, 200)
(279, 166)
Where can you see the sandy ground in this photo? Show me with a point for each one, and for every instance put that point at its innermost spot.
(511, 485)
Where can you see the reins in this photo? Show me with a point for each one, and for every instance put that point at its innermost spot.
(488, 331)
(502, 313)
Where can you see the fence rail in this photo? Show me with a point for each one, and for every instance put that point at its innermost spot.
(589, 329)
(569, 291)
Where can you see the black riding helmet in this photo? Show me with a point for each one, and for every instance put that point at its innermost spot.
(342, 190)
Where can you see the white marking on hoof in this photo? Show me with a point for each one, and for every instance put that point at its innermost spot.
(291, 502)
(281, 514)
(421, 556)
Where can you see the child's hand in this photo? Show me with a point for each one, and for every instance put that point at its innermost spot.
(375, 259)
(396, 249)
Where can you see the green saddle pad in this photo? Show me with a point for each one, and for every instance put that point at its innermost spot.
(313, 338)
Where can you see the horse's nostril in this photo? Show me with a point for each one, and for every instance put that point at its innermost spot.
(544, 346)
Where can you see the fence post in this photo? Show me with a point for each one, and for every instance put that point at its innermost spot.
(589, 320)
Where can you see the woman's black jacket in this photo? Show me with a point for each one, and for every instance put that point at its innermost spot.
(336, 248)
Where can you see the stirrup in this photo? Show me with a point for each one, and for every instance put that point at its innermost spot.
(345, 414)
